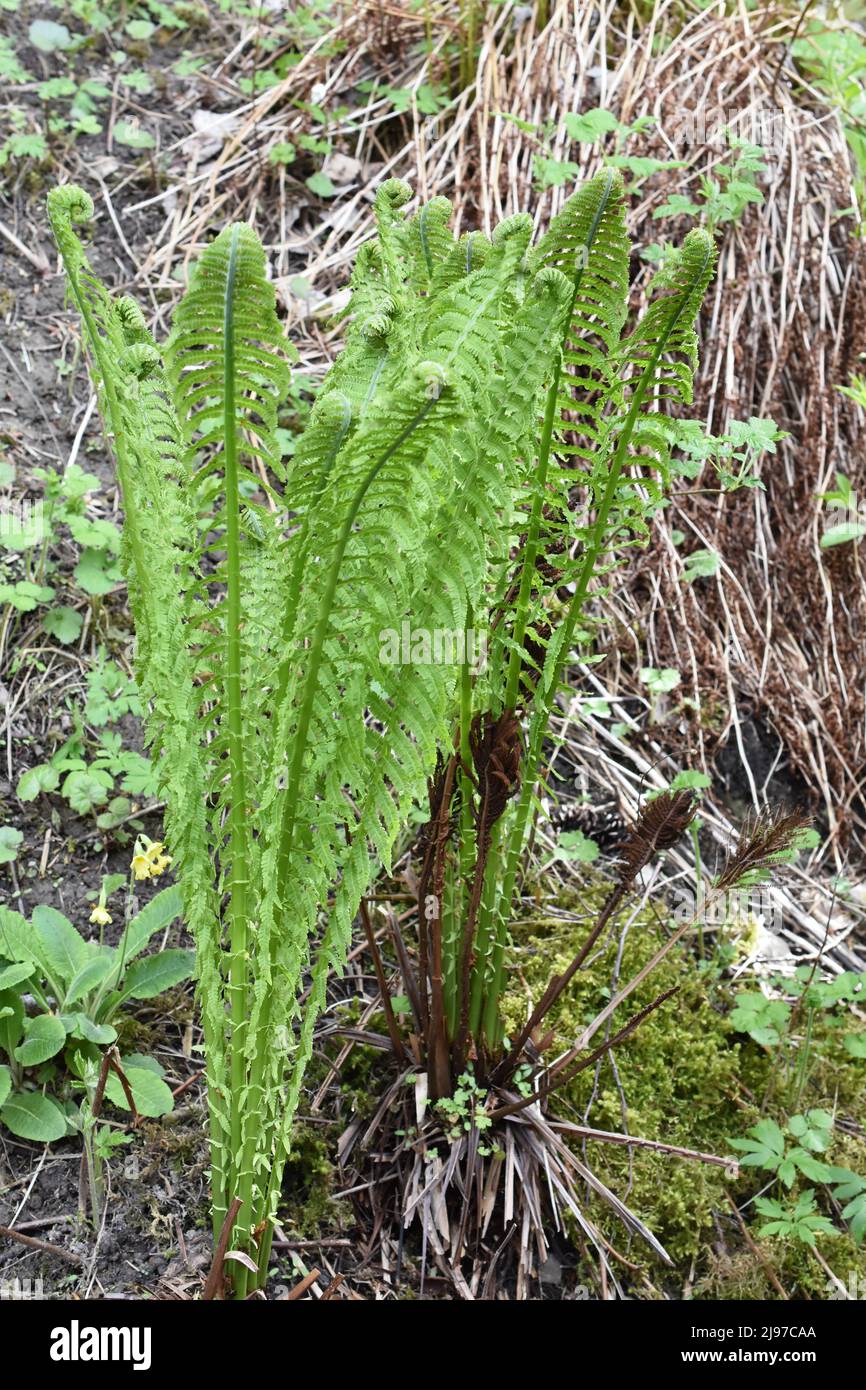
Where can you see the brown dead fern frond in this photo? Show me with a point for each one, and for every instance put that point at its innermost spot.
(768, 841)
(660, 824)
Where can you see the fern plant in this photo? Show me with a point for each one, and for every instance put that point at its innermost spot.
(290, 756)
(586, 490)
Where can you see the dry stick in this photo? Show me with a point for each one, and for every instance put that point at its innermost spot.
(634, 1140)
(546, 1086)
(755, 1249)
(558, 984)
(438, 828)
(409, 982)
(439, 1070)
(390, 1020)
(306, 1283)
(37, 1244)
(332, 1287)
(213, 1287)
(110, 1061)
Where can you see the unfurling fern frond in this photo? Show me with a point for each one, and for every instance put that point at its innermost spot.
(292, 751)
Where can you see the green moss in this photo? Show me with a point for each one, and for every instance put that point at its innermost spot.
(685, 1078)
(308, 1202)
(678, 1077)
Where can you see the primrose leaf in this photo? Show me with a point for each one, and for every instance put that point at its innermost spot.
(151, 1095)
(15, 974)
(30, 1115)
(65, 949)
(154, 974)
(44, 1036)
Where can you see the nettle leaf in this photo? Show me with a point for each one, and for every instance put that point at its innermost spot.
(44, 1036)
(30, 1115)
(154, 974)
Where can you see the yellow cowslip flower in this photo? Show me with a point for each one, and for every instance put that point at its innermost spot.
(100, 917)
(149, 860)
(141, 866)
(159, 861)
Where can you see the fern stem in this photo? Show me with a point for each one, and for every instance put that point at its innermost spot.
(239, 964)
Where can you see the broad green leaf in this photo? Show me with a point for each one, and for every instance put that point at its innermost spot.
(64, 623)
(30, 1115)
(151, 1095)
(573, 844)
(10, 841)
(842, 534)
(95, 572)
(44, 1036)
(154, 917)
(91, 974)
(5, 1084)
(14, 974)
(17, 941)
(65, 950)
(150, 976)
(48, 36)
(134, 136)
(701, 564)
(11, 1020)
(43, 778)
(78, 1025)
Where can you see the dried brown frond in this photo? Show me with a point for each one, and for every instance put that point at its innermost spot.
(495, 745)
(660, 824)
(763, 845)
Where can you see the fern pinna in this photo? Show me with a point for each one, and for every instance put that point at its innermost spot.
(290, 755)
